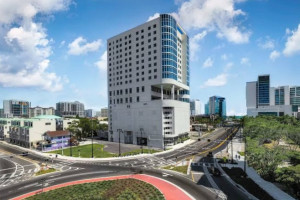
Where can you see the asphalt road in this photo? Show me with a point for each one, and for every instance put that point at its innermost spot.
(93, 169)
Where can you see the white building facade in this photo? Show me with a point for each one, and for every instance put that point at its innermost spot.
(195, 106)
(70, 109)
(261, 99)
(148, 84)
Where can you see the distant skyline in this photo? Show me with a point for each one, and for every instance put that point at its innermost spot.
(55, 50)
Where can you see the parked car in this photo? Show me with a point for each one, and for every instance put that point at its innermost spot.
(25, 153)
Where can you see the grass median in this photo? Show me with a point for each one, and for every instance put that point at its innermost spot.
(129, 189)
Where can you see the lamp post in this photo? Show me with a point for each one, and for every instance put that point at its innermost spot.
(70, 144)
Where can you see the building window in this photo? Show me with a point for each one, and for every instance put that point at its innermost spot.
(143, 88)
(137, 89)
(137, 99)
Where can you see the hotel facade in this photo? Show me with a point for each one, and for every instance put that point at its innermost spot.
(148, 84)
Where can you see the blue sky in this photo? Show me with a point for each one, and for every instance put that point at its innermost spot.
(54, 50)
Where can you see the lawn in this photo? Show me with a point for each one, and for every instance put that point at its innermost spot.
(138, 151)
(181, 169)
(85, 151)
(41, 172)
(129, 189)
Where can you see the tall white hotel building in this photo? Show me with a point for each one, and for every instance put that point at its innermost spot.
(148, 84)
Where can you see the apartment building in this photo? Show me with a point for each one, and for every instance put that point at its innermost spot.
(16, 108)
(37, 111)
(70, 109)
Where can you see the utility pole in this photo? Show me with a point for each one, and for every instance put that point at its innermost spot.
(245, 161)
(92, 139)
(231, 149)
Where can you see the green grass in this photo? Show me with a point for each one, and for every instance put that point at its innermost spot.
(86, 151)
(242, 153)
(41, 172)
(138, 151)
(181, 169)
(129, 189)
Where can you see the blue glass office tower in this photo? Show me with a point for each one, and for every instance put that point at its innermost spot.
(216, 106)
(263, 90)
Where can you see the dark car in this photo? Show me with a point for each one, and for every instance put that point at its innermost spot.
(210, 154)
(25, 153)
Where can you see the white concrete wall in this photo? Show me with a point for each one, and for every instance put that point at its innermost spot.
(251, 94)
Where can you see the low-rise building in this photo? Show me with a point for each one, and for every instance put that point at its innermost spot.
(37, 111)
(4, 128)
(104, 112)
(29, 132)
(67, 122)
(56, 140)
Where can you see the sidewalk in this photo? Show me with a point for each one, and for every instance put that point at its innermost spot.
(270, 188)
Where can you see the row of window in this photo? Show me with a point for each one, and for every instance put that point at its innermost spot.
(129, 53)
(119, 68)
(129, 36)
(126, 91)
(111, 50)
(130, 81)
(123, 100)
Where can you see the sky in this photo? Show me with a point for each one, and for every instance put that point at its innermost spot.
(55, 50)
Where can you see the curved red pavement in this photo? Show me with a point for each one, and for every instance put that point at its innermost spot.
(169, 190)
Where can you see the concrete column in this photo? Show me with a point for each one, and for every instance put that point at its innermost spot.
(162, 92)
(172, 92)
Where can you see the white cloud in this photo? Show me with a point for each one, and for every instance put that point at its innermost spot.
(274, 54)
(102, 63)
(213, 15)
(245, 61)
(156, 15)
(228, 66)
(268, 43)
(217, 81)
(80, 46)
(15, 11)
(62, 43)
(292, 45)
(194, 43)
(25, 59)
(224, 57)
(208, 63)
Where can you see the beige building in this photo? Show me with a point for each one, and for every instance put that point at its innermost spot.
(37, 111)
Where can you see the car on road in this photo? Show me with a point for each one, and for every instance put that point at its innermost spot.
(25, 153)
(210, 154)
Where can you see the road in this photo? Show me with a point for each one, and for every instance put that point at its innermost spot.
(92, 169)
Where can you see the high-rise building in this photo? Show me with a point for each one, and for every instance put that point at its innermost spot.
(70, 109)
(263, 88)
(90, 113)
(261, 99)
(148, 83)
(195, 107)
(37, 111)
(16, 108)
(216, 106)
